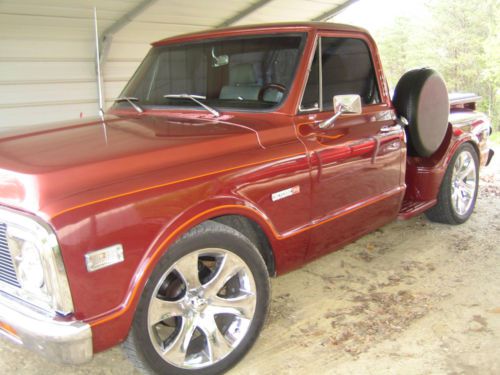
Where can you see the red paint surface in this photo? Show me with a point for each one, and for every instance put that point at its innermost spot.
(144, 179)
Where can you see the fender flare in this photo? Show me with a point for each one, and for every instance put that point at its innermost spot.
(464, 138)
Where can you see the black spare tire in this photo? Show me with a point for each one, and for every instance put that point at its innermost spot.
(422, 98)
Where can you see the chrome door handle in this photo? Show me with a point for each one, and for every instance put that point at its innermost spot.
(393, 146)
(389, 129)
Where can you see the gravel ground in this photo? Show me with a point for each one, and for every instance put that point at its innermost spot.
(414, 297)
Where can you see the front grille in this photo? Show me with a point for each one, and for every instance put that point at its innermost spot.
(7, 271)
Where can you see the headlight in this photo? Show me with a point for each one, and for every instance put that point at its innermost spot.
(30, 268)
(37, 263)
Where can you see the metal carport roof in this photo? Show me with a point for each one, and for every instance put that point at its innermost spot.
(47, 47)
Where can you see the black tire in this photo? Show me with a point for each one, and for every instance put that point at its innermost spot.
(140, 344)
(422, 98)
(444, 211)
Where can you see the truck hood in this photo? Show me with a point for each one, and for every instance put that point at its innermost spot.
(52, 162)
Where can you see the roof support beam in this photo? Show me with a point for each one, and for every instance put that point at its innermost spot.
(107, 35)
(243, 13)
(334, 11)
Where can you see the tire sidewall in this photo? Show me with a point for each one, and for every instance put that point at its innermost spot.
(207, 235)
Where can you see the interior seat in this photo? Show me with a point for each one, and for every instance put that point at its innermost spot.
(242, 83)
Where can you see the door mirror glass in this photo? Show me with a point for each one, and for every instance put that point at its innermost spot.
(347, 104)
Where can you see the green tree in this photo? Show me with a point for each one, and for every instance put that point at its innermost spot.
(458, 32)
(491, 72)
(460, 38)
(393, 46)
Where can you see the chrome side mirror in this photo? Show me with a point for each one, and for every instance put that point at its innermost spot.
(343, 104)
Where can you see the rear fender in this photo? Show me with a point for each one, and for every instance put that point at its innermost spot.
(424, 175)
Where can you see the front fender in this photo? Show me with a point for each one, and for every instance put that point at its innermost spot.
(114, 326)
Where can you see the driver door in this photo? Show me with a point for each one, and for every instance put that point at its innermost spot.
(356, 163)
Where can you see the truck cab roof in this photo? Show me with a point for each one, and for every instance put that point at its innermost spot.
(262, 28)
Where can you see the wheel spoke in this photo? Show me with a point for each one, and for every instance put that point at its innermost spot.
(459, 163)
(469, 190)
(470, 186)
(466, 170)
(462, 202)
(242, 306)
(160, 310)
(217, 345)
(457, 201)
(228, 268)
(177, 350)
(187, 267)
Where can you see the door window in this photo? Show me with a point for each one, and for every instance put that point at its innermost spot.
(345, 68)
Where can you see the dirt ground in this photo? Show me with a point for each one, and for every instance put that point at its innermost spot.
(411, 298)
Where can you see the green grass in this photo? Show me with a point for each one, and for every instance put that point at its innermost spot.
(495, 137)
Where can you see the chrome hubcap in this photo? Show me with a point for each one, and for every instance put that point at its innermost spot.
(202, 308)
(463, 183)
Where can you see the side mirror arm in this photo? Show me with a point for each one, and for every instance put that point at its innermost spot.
(330, 123)
(349, 103)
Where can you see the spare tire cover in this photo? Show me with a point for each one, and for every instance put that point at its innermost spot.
(422, 98)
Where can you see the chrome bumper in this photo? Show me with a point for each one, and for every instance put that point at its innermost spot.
(65, 342)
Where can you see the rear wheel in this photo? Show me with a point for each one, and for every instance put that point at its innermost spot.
(204, 305)
(458, 192)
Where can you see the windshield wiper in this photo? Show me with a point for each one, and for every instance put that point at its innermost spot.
(130, 100)
(194, 98)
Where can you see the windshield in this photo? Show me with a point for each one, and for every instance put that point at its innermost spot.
(237, 73)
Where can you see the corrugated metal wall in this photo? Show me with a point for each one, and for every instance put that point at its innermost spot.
(47, 70)
(47, 59)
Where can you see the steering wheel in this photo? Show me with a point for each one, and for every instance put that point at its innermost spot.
(268, 86)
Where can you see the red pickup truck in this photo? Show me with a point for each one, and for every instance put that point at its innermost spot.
(232, 156)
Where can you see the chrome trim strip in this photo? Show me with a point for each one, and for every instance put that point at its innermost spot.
(320, 65)
(299, 109)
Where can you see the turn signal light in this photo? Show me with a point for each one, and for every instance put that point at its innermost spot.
(7, 328)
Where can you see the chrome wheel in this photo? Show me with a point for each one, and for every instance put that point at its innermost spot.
(463, 183)
(201, 308)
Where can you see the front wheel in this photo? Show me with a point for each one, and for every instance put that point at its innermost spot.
(203, 306)
(458, 192)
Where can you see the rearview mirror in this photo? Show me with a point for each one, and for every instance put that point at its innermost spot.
(219, 60)
(350, 104)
